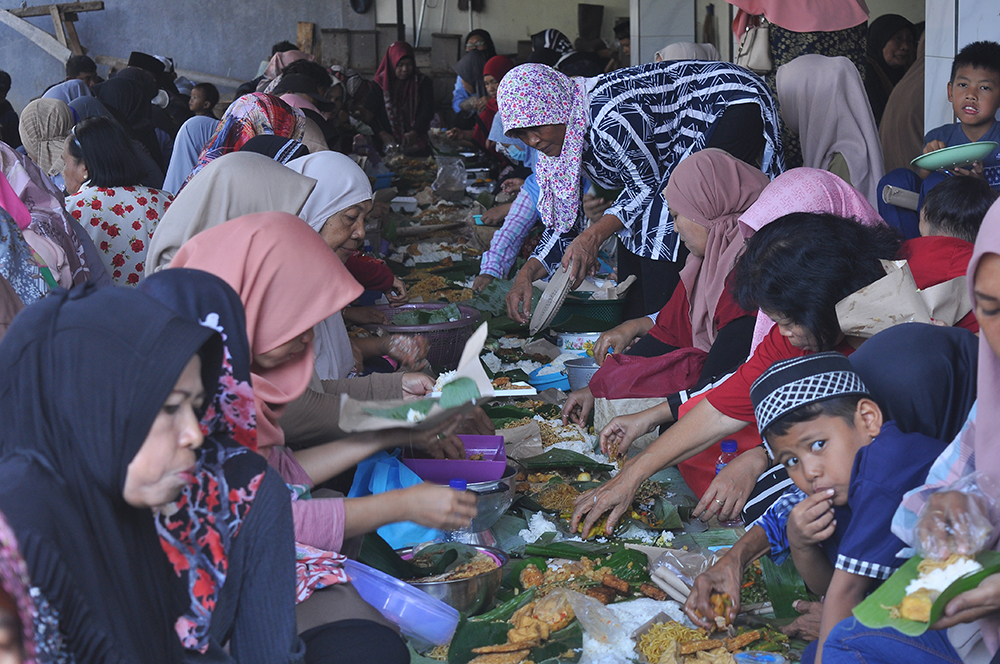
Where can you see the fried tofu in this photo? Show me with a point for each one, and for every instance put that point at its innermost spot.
(555, 611)
(917, 606)
(619, 585)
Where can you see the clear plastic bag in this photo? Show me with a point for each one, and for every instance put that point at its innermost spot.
(594, 617)
(451, 177)
(687, 565)
(960, 519)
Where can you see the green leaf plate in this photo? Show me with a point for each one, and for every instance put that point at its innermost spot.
(872, 612)
(559, 458)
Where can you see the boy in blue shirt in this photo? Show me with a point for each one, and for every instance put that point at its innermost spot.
(974, 93)
(819, 420)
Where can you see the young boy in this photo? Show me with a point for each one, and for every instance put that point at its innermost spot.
(955, 208)
(819, 420)
(204, 97)
(974, 93)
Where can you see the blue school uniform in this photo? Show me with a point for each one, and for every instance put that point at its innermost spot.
(863, 543)
(907, 221)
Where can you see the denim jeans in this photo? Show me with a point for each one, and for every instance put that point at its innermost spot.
(851, 642)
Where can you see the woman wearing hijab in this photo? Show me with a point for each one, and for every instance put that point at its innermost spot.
(686, 51)
(470, 72)
(940, 520)
(107, 199)
(477, 40)
(102, 395)
(891, 50)
(77, 258)
(902, 130)
(550, 46)
(406, 104)
(20, 266)
(191, 138)
(637, 117)
(823, 100)
(45, 124)
(130, 102)
(493, 72)
(255, 114)
(263, 257)
(701, 333)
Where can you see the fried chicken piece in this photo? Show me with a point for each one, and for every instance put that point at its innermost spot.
(515, 657)
(694, 646)
(651, 591)
(742, 641)
(619, 585)
(531, 576)
(602, 594)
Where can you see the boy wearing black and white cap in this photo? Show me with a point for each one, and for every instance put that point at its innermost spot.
(819, 420)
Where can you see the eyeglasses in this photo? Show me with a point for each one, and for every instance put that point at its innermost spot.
(473, 45)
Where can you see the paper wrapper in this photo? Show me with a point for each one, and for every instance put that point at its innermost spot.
(523, 442)
(356, 416)
(895, 299)
(660, 617)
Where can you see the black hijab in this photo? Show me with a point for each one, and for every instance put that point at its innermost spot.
(490, 49)
(880, 78)
(470, 69)
(85, 374)
(130, 102)
(278, 148)
(922, 376)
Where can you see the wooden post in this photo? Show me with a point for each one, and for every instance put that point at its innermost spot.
(306, 37)
(37, 36)
(71, 36)
(57, 22)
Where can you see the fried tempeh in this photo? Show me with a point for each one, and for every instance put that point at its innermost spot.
(612, 581)
(506, 647)
(694, 646)
(651, 591)
(602, 594)
(515, 657)
(742, 641)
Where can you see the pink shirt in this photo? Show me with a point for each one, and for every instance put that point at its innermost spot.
(319, 522)
(803, 15)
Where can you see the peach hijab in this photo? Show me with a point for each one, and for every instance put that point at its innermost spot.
(288, 281)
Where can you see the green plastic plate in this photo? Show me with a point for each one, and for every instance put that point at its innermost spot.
(956, 155)
(873, 612)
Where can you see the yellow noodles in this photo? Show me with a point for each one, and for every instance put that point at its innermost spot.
(661, 637)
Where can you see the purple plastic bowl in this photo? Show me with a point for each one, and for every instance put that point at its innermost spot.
(442, 471)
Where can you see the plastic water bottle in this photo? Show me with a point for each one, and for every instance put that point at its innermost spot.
(729, 452)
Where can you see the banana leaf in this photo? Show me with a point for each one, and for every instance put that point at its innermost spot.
(572, 550)
(512, 575)
(873, 612)
(458, 392)
(400, 412)
(446, 556)
(784, 586)
(475, 634)
(563, 647)
(628, 564)
(512, 412)
(558, 458)
(507, 609)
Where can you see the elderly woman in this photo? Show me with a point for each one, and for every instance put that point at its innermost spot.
(403, 103)
(892, 48)
(627, 130)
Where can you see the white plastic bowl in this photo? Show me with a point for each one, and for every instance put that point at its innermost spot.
(403, 204)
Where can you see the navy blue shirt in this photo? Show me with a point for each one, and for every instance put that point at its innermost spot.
(952, 134)
(894, 463)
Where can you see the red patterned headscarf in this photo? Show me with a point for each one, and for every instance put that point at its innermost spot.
(401, 97)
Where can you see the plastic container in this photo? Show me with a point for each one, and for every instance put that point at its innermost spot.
(557, 380)
(418, 614)
(381, 181)
(446, 340)
(759, 657)
(730, 451)
(580, 372)
(403, 204)
(581, 341)
(444, 471)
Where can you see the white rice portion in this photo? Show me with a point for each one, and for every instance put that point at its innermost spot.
(631, 615)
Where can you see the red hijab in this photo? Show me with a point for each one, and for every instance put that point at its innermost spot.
(497, 67)
(401, 97)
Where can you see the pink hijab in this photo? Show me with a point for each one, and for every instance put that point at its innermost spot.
(712, 188)
(289, 280)
(281, 60)
(802, 15)
(803, 190)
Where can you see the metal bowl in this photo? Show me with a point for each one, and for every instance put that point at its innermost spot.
(472, 595)
(493, 499)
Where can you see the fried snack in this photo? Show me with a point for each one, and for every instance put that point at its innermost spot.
(602, 594)
(531, 576)
(555, 611)
(917, 606)
(501, 382)
(935, 577)
(704, 644)
(510, 646)
(515, 657)
(651, 591)
(619, 585)
(742, 641)
(717, 656)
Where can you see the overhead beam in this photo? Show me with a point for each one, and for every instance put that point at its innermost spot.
(37, 36)
(43, 10)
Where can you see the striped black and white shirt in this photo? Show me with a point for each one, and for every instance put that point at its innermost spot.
(643, 121)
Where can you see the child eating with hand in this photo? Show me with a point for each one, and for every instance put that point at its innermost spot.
(819, 420)
(974, 94)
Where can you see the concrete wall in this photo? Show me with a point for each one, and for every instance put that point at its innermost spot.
(222, 37)
(506, 20)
